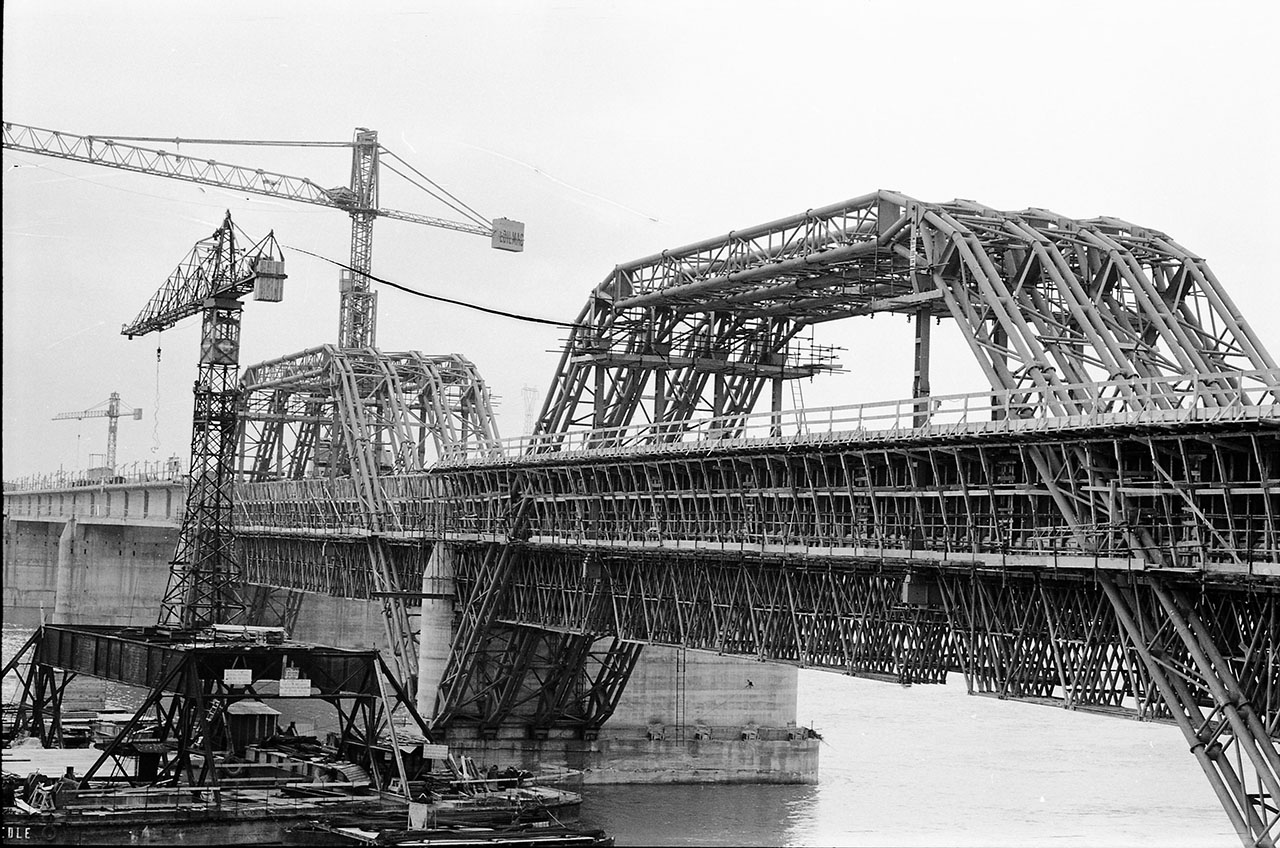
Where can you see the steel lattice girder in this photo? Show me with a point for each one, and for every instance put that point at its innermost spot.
(851, 619)
(1041, 300)
(1205, 496)
(1013, 633)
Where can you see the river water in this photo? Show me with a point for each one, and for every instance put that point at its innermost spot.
(931, 765)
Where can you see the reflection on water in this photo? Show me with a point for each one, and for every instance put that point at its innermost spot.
(928, 765)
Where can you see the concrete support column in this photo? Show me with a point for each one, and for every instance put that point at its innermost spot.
(65, 581)
(436, 633)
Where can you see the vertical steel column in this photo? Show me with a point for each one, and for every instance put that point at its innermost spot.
(1000, 342)
(920, 384)
(775, 406)
(113, 428)
(659, 394)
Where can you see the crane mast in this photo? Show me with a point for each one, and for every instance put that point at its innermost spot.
(358, 314)
(204, 576)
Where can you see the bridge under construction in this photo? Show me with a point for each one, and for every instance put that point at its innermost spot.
(1094, 527)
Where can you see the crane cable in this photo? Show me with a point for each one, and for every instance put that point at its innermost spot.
(178, 142)
(464, 210)
(155, 415)
(458, 206)
(487, 309)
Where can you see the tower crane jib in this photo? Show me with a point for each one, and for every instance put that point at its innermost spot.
(357, 313)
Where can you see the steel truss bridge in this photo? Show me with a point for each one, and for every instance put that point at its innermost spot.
(1096, 527)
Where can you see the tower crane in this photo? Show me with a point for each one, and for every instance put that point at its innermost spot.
(204, 574)
(358, 304)
(113, 414)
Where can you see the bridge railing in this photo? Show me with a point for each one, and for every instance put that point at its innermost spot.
(169, 470)
(1170, 399)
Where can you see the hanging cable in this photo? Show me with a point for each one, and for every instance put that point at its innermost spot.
(155, 415)
(489, 310)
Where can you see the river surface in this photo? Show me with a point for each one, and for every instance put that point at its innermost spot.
(931, 765)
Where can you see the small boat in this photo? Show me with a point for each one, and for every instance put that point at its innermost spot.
(474, 795)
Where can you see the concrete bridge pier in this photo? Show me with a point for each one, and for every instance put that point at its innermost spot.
(65, 578)
(436, 619)
(684, 717)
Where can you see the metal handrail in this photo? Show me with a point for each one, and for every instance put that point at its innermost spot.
(1171, 399)
(159, 471)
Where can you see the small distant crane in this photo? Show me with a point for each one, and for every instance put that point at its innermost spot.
(113, 414)
(204, 575)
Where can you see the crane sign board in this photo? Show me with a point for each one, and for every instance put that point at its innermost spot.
(508, 234)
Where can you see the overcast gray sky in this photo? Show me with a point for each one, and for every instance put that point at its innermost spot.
(613, 131)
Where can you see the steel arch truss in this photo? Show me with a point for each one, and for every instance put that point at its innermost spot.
(1043, 301)
(329, 412)
(352, 418)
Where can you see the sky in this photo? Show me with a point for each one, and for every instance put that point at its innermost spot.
(613, 131)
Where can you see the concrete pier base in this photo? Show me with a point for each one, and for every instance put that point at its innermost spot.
(614, 760)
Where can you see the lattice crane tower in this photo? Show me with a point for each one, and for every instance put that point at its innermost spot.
(204, 575)
(113, 414)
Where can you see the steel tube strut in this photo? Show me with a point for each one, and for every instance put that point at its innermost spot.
(1226, 784)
